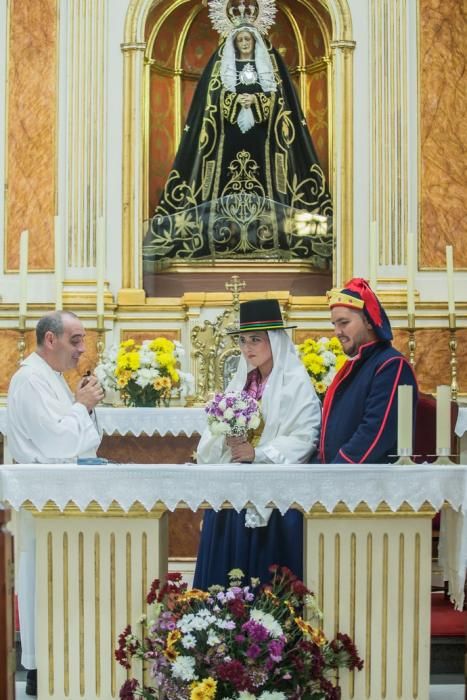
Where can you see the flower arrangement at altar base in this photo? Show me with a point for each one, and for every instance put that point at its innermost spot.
(233, 413)
(145, 374)
(322, 358)
(236, 643)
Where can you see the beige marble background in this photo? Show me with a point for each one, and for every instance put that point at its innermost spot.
(31, 131)
(443, 138)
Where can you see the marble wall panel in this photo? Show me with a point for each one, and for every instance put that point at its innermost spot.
(139, 336)
(9, 352)
(299, 335)
(31, 130)
(432, 357)
(443, 106)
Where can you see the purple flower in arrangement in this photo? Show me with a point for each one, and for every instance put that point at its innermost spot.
(238, 642)
(253, 651)
(255, 631)
(275, 648)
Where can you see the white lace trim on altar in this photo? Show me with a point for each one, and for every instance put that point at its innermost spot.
(163, 421)
(136, 421)
(282, 485)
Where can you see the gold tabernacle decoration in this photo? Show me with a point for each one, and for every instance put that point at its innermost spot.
(216, 353)
(337, 297)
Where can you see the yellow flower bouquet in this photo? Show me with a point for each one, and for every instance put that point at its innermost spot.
(322, 358)
(145, 374)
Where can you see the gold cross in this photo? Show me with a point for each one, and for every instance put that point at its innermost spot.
(235, 286)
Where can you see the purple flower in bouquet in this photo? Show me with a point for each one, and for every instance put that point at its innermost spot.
(233, 413)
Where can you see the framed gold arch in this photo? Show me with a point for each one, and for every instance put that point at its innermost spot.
(137, 52)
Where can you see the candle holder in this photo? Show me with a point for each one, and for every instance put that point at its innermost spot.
(405, 457)
(411, 342)
(443, 456)
(21, 345)
(100, 342)
(453, 360)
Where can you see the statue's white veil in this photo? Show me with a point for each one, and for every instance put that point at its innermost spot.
(262, 60)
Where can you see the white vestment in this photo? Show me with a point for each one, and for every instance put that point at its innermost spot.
(44, 425)
(291, 411)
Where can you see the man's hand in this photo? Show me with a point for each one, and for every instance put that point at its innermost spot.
(89, 392)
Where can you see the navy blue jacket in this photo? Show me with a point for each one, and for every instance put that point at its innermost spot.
(360, 408)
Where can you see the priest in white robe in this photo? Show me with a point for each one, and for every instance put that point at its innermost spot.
(47, 423)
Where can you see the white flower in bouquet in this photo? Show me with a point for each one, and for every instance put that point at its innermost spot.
(233, 413)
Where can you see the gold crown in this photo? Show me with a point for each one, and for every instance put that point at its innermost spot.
(336, 297)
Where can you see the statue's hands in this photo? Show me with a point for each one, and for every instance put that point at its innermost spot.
(246, 100)
(89, 392)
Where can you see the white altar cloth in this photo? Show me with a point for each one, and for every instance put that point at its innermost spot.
(135, 421)
(304, 484)
(260, 484)
(163, 421)
(461, 423)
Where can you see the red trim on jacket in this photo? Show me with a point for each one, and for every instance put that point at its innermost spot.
(388, 407)
(342, 374)
(347, 459)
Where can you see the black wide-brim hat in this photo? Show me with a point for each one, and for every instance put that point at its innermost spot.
(260, 315)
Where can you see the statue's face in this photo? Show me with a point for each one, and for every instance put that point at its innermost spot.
(245, 44)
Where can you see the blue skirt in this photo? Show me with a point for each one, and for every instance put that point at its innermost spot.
(227, 544)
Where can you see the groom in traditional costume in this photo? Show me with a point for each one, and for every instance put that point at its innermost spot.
(46, 423)
(360, 407)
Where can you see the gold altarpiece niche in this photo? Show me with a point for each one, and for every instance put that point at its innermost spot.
(180, 42)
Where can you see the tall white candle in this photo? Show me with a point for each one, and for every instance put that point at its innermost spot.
(23, 272)
(373, 253)
(404, 419)
(450, 274)
(411, 266)
(100, 265)
(443, 418)
(58, 263)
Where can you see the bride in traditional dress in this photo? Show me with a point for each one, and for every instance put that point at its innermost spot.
(271, 372)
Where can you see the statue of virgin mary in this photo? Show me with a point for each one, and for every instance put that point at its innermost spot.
(246, 182)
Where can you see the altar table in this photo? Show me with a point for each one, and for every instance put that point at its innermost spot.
(102, 537)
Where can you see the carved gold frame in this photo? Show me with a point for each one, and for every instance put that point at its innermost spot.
(134, 110)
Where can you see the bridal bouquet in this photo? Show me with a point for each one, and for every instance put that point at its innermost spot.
(239, 643)
(145, 374)
(322, 358)
(233, 413)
